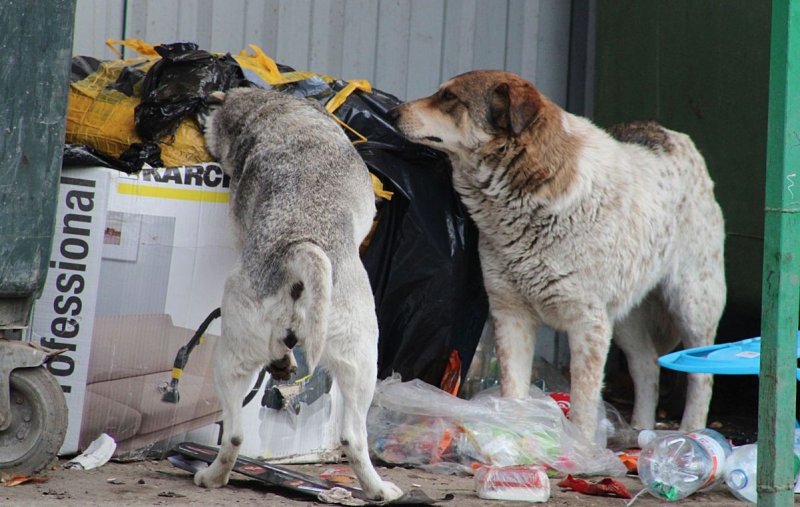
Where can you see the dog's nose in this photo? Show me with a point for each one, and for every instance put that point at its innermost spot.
(393, 114)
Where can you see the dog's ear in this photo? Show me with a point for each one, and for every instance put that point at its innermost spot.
(216, 98)
(513, 106)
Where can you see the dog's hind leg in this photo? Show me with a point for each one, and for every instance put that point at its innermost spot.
(233, 373)
(231, 383)
(357, 385)
(351, 356)
(636, 335)
(700, 310)
(232, 386)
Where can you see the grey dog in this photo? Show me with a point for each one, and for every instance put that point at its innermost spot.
(302, 202)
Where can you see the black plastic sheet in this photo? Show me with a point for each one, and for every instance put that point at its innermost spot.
(423, 257)
(177, 85)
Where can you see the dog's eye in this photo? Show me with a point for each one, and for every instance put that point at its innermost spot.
(447, 95)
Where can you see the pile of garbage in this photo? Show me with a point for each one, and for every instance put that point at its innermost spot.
(413, 423)
(422, 257)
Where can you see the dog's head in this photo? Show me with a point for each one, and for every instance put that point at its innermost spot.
(470, 110)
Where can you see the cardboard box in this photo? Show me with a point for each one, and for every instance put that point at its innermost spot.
(138, 262)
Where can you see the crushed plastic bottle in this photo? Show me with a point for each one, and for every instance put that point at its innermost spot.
(674, 466)
(740, 472)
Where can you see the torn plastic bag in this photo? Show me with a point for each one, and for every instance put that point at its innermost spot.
(177, 85)
(423, 256)
(413, 423)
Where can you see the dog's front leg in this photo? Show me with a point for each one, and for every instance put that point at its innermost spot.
(515, 342)
(589, 342)
(513, 323)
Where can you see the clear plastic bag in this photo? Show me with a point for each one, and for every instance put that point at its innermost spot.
(414, 423)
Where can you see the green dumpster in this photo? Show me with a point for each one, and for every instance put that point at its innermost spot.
(35, 51)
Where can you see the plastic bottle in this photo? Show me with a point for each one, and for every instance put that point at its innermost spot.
(674, 466)
(740, 472)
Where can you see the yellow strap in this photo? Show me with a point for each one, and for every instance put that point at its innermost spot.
(377, 188)
(138, 45)
(176, 373)
(267, 66)
(267, 69)
(341, 96)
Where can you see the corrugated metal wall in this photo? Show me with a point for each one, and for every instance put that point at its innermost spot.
(404, 47)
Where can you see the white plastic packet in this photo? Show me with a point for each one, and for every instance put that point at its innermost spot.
(97, 454)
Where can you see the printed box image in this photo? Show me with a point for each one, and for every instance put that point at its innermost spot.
(138, 262)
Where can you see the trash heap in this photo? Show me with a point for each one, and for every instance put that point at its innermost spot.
(422, 254)
(417, 424)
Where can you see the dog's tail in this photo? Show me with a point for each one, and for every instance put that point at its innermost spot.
(309, 284)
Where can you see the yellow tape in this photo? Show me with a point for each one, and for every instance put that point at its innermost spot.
(266, 67)
(173, 193)
(138, 45)
(177, 373)
(341, 95)
(377, 188)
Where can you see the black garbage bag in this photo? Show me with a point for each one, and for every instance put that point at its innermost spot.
(177, 85)
(422, 259)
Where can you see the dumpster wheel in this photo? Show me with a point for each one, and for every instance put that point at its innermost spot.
(38, 422)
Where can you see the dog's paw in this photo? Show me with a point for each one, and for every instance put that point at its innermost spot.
(387, 492)
(210, 478)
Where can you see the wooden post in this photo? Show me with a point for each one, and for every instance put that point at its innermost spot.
(781, 273)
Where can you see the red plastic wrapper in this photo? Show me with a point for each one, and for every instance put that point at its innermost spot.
(605, 487)
(563, 401)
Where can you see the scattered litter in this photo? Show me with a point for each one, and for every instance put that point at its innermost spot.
(606, 487)
(630, 459)
(97, 454)
(413, 423)
(186, 455)
(115, 481)
(339, 496)
(171, 494)
(16, 480)
(339, 474)
(521, 483)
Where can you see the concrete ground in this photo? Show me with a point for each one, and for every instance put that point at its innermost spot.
(146, 483)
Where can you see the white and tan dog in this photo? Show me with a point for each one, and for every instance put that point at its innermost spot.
(591, 233)
(302, 202)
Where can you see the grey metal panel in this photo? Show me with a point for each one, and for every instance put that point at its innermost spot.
(405, 47)
(553, 49)
(391, 62)
(327, 43)
(360, 39)
(96, 21)
(490, 35)
(294, 29)
(459, 37)
(425, 47)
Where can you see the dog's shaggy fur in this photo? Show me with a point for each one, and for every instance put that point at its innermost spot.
(588, 232)
(302, 203)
